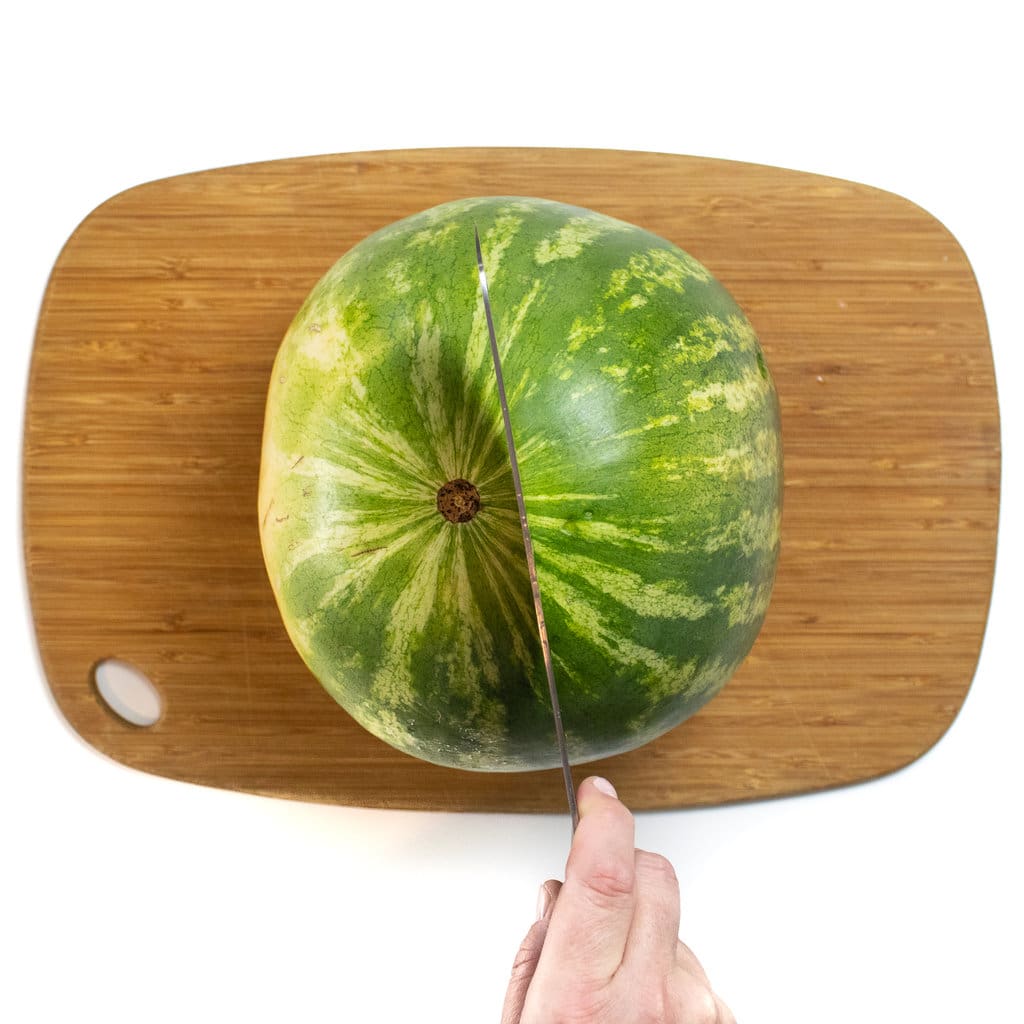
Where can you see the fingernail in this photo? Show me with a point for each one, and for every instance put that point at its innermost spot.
(604, 786)
(543, 902)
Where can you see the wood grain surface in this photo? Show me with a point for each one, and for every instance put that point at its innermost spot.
(142, 442)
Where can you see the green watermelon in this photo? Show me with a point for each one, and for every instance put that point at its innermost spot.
(647, 428)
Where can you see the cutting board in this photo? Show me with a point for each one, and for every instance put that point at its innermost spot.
(142, 442)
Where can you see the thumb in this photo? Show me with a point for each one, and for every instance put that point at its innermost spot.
(526, 960)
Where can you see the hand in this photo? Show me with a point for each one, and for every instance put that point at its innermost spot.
(606, 949)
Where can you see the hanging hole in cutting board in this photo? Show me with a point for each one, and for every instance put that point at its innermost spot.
(128, 692)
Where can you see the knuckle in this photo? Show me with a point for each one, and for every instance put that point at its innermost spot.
(528, 954)
(608, 883)
(656, 865)
(584, 1007)
(691, 1000)
(724, 1014)
(705, 1010)
(525, 961)
(652, 1006)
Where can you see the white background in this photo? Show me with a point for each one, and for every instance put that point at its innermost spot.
(130, 898)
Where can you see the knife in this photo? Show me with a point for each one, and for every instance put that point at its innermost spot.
(531, 564)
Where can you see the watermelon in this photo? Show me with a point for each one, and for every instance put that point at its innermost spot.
(647, 427)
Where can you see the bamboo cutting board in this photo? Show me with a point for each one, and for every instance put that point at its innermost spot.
(144, 415)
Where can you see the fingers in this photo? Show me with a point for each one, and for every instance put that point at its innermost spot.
(591, 922)
(692, 1000)
(525, 964)
(688, 961)
(654, 937)
(692, 990)
(546, 898)
(725, 1015)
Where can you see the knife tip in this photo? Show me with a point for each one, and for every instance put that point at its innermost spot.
(479, 251)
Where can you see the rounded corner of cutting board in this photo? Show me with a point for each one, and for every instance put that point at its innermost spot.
(141, 538)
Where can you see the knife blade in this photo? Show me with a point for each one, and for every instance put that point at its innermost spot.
(531, 563)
